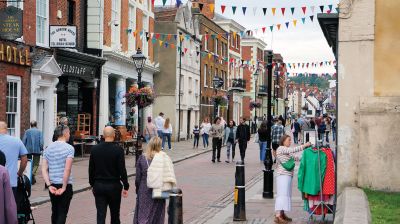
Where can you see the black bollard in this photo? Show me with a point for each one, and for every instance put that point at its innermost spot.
(268, 189)
(239, 208)
(175, 209)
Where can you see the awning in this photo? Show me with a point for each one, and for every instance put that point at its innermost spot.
(330, 24)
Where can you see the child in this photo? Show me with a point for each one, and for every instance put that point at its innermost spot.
(196, 133)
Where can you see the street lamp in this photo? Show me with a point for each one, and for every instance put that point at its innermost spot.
(286, 107)
(139, 60)
(255, 75)
(217, 82)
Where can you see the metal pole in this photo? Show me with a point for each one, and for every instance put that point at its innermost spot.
(138, 150)
(175, 208)
(268, 191)
(215, 104)
(179, 92)
(255, 108)
(239, 207)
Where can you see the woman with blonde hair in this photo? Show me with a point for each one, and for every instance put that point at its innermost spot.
(167, 132)
(154, 175)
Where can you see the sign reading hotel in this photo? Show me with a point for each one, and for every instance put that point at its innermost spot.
(10, 23)
(63, 36)
(14, 54)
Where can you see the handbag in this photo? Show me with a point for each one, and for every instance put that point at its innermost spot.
(289, 165)
(158, 193)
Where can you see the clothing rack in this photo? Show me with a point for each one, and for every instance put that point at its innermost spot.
(321, 203)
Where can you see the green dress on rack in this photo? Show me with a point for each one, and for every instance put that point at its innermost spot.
(308, 175)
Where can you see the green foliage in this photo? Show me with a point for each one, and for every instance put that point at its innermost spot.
(385, 206)
(313, 80)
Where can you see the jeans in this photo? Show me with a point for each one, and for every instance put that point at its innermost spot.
(160, 133)
(242, 149)
(296, 137)
(327, 136)
(321, 137)
(216, 146)
(205, 140)
(229, 146)
(107, 194)
(196, 141)
(60, 204)
(263, 147)
(334, 134)
(35, 162)
(168, 137)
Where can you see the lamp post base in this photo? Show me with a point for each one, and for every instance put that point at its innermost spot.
(268, 190)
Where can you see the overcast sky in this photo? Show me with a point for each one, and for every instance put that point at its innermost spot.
(303, 43)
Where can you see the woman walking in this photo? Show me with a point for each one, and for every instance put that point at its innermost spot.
(283, 201)
(150, 130)
(167, 131)
(217, 132)
(205, 130)
(154, 172)
(262, 140)
(230, 137)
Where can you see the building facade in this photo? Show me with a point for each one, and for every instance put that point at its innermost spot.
(178, 84)
(125, 26)
(236, 83)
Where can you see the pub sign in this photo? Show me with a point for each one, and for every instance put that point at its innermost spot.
(10, 23)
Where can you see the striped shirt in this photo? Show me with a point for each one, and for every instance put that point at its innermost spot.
(56, 154)
(283, 154)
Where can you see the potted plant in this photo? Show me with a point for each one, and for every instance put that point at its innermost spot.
(220, 99)
(254, 104)
(142, 97)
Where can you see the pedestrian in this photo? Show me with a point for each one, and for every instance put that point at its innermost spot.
(321, 131)
(327, 128)
(296, 129)
(106, 173)
(8, 207)
(33, 141)
(150, 130)
(277, 132)
(56, 172)
(64, 121)
(196, 136)
(312, 123)
(167, 132)
(216, 133)
(283, 122)
(154, 171)
(230, 137)
(333, 128)
(284, 178)
(13, 148)
(262, 140)
(205, 131)
(242, 137)
(160, 124)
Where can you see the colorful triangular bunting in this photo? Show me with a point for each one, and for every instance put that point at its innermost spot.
(233, 10)
(265, 11)
(292, 9)
(287, 25)
(244, 10)
(312, 18)
(322, 8)
(273, 11)
(304, 9)
(223, 8)
(283, 11)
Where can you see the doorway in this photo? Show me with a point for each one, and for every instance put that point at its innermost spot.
(40, 115)
(188, 124)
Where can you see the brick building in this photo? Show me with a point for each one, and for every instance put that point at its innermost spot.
(212, 61)
(279, 81)
(127, 26)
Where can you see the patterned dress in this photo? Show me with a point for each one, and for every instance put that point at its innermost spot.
(148, 210)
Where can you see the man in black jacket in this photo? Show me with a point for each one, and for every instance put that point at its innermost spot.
(243, 136)
(108, 177)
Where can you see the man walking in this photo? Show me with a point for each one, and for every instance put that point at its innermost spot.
(33, 141)
(277, 132)
(13, 148)
(242, 137)
(159, 121)
(106, 173)
(56, 171)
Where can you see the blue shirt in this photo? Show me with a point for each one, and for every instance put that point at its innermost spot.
(33, 141)
(56, 154)
(12, 148)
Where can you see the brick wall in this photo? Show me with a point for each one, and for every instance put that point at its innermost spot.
(124, 24)
(247, 75)
(107, 19)
(151, 49)
(139, 26)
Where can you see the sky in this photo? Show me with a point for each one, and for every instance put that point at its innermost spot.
(303, 43)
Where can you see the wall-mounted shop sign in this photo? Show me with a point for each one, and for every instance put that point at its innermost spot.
(75, 69)
(63, 36)
(15, 54)
(10, 23)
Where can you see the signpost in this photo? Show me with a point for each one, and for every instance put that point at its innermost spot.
(10, 23)
(63, 36)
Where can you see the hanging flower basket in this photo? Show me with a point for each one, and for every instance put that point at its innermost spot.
(254, 104)
(220, 99)
(142, 97)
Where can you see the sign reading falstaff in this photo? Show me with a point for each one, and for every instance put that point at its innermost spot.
(10, 23)
(63, 36)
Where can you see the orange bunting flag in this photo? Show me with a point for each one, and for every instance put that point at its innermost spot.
(295, 22)
(181, 37)
(279, 26)
(211, 7)
(134, 33)
(172, 46)
(234, 35)
(273, 11)
(209, 55)
(169, 37)
(161, 42)
(283, 11)
(219, 36)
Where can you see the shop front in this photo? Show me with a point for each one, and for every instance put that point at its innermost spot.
(15, 67)
(78, 91)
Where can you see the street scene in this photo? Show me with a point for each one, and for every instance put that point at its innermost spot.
(199, 111)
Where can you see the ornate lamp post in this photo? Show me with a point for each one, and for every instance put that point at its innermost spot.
(139, 59)
(286, 107)
(216, 84)
(255, 75)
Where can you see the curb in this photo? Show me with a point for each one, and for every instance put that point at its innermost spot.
(41, 200)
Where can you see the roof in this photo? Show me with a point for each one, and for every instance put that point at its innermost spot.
(165, 13)
(329, 23)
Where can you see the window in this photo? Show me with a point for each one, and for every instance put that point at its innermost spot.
(196, 88)
(42, 22)
(16, 3)
(71, 12)
(131, 40)
(216, 46)
(115, 19)
(144, 41)
(232, 42)
(13, 108)
(190, 85)
(205, 42)
(237, 41)
(205, 74)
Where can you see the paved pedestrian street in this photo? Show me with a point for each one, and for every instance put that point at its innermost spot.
(207, 191)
